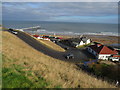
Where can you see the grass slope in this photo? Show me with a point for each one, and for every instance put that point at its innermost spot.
(58, 73)
(52, 45)
(49, 44)
(17, 77)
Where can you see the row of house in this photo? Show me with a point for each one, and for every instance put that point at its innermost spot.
(45, 37)
(104, 52)
(98, 50)
(41, 37)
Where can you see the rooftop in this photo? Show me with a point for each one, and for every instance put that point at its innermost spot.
(101, 49)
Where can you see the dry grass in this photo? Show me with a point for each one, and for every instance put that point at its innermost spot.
(50, 44)
(104, 39)
(53, 70)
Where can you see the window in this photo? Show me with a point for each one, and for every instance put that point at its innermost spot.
(107, 56)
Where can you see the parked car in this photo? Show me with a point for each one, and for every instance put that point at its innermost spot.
(69, 56)
(13, 31)
(114, 58)
(66, 48)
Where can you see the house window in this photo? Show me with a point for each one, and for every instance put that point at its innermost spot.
(107, 56)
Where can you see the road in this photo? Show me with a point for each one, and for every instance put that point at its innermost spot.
(79, 55)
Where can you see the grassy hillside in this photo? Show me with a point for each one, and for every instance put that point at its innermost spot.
(34, 67)
(49, 44)
(52, 45)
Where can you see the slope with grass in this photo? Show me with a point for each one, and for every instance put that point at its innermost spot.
(42, 68)
(52, 45)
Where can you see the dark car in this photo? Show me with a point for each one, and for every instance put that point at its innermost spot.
(10, 30)
(13, 31)
(66, 48)
(69, 56)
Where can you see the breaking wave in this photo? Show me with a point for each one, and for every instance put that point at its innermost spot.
(39, 30)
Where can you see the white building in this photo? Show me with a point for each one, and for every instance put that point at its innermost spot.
(101, 51)
(80, 41)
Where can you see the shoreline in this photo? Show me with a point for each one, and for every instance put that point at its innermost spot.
(103, 39)
(71, 33)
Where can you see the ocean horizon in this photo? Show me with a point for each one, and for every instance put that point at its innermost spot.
(65, 27)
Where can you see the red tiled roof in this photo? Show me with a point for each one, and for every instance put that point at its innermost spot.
(101, 49)
(116, 55)
(59, 38)
(36, 35)
(106, 50)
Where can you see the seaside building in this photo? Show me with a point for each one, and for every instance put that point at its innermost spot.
(36, 36)
(101, 51)
(76, 42)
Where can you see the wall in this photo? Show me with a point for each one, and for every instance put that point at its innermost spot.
(88, 41)
(104, 56)
(92, 51)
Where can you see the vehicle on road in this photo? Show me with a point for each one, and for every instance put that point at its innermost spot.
(12, 31)
(69, 56)
(66, 48)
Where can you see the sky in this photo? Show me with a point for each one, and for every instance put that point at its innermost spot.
(91, 12)
(60, 0)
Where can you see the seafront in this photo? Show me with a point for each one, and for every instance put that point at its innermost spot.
(60, 45)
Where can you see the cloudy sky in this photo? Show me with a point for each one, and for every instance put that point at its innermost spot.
(93, 12)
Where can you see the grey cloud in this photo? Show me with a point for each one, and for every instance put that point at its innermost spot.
(46, 11)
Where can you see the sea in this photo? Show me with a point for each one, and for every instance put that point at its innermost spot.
(64, 28)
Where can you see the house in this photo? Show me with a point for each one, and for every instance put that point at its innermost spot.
(36, 36)
(45, 38)
(101, 52)
(85, 40)
(75, 42)
(40, 37)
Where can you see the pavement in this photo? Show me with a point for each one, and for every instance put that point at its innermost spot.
(80, 55)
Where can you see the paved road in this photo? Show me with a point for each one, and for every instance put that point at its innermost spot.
(79, 54)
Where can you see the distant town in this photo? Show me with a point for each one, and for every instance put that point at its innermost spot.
(99, 50)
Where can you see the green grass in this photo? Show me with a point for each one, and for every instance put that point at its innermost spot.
(16, 77)
(12, 79)
(0, 70)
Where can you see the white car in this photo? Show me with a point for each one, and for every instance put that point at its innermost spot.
(14, 32)
(115, 59)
